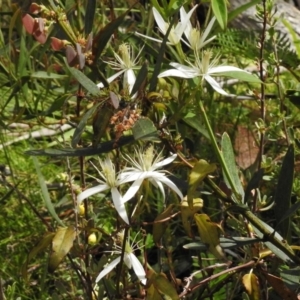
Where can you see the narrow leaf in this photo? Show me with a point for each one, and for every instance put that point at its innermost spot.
(282, 197)
(89, 16)
(251, 284)
(220, 11)
(228, 155)
(45, 193)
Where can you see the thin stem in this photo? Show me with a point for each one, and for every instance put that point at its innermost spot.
(217, 150)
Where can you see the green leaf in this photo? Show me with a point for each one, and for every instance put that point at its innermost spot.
(80, 127)
(283, 193)
(43, 244)
(229, 159)
(294, 97)
(220, 11)
(104, 35)
(253, 183)
(61, 245)
(236, 12)
(101, 148)
(200, 170)
(144, 129)
(46, 75)
(210, 234)
(89, 16)
(45, 193)
(174, 5)
(87, 83)
(164, 287)
(159, 228)
(195, 122)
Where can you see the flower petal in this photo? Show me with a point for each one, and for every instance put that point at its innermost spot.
(110, 79)
(207, 31)
(133, 189)
(224, 69)
(215, 85)
(177, 73)
(169, 183)
(91, 191)
(185, 21)
(164, 162)
(129, 79)
(119, 204)
(108, 268)
(158, 184)
(138, 268)
(159, 20)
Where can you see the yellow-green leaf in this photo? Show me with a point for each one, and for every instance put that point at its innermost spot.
(61, 245)
(209, 233)
(187, 213)
(250, 282)
(201, 169)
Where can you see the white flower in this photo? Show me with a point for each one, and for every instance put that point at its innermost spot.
(130, 260)
(193, 35)
(176, 31)
(108, 181)
(126, 64)
(204, 68)
(145, 166)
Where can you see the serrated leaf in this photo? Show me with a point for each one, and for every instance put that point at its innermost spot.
(220, 11)
(159, 228)
(87, 83)
(200, 170)
(229, 159)
(283, 193)
(251, 285)
(144, 129)
(61, 245)
(45, 193)
(209, 233)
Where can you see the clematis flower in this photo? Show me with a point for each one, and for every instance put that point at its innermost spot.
(108, 181)
(176, 31)
(145, 166)
(196, 40)
(126, 64)
(204, 68)
(130, 260)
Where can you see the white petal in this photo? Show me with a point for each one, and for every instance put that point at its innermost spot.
(110, 79)
(138, 268)
(185, 20)
(207, 30)
(108, 268)
(170, 184)
(91, 191)
(224, 69)
(215, 85)
(164, 162)
(159, 20)
(188, 28)
(129, 79)
(177, 73)
(184, 68)
(119, 204)
(133, 189)
(150, 38)
(158, 184)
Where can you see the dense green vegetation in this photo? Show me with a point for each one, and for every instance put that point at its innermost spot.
(139, 169)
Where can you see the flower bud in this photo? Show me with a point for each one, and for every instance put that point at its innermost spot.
(92, 239)
(81, 210)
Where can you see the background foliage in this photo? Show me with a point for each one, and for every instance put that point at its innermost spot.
(236, 233)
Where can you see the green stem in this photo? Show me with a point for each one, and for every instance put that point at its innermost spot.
(217, 150)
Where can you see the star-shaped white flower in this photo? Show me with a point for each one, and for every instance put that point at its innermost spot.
(195, 38)
(205, 68)
(130, 260)
(145, 166)
(126, 64)
(108, 181)
(176, 31)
